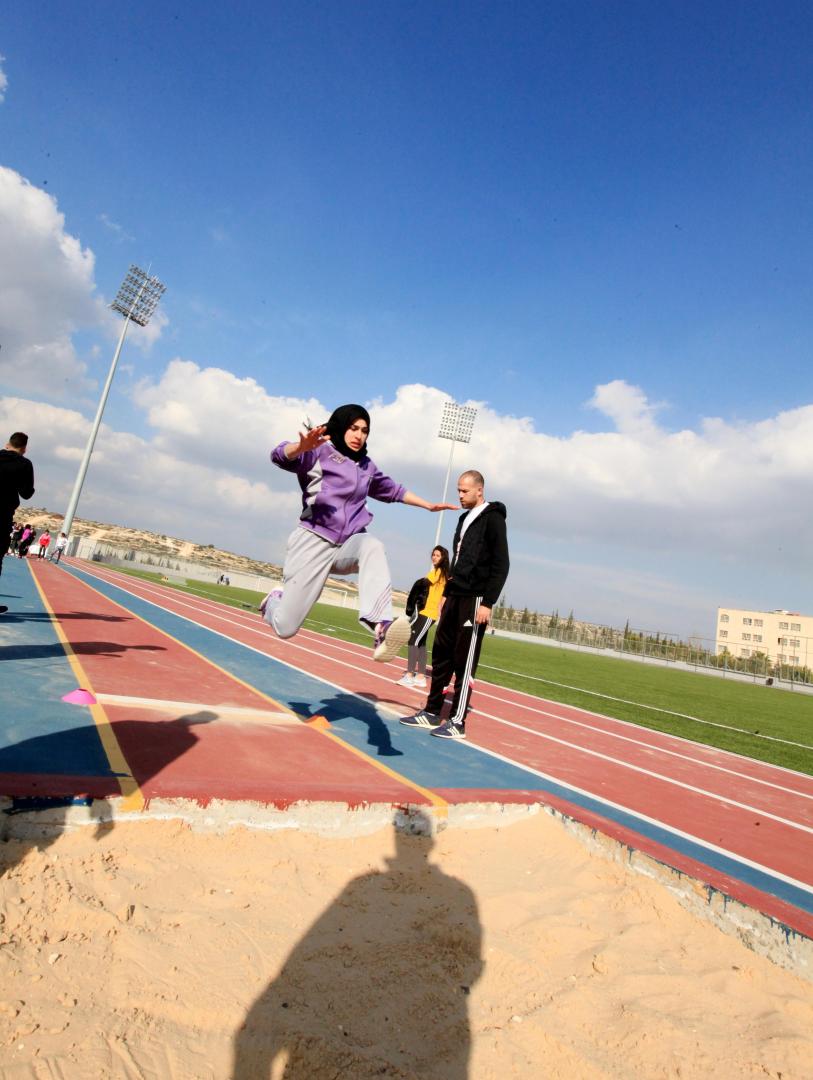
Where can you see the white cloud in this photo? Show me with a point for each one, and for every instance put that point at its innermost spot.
(211, 415)
(144, 337)
(3, 80)
(113, 226)
(46, 290)
(627, 406)
(633, 521)
(47, 294)
(614, 524)
(656, 509)
(133, 482)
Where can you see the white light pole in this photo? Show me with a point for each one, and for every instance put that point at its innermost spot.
(136, 300)
(456, 425)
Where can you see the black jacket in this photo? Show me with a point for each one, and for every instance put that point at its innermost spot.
(418, 595)
(16, 480)
(480, 566)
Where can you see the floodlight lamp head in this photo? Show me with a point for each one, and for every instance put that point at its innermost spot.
(138, 296)
(457, 422)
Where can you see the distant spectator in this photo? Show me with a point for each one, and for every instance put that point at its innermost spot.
(16, 533)
(16, 482)
(423, 608)
(42, 544)
(25, 541)
(59, 547)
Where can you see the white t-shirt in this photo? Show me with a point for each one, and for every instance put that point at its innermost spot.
(467, 520)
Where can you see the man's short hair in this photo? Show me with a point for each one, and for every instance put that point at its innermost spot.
(475, 477)
(19, 440)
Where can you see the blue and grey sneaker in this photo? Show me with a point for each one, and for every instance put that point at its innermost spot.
(422, 719)
(450, 731)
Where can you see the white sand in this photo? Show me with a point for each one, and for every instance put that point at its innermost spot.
(149, 950)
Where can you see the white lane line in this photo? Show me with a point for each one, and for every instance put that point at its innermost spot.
(642, 705)
(639, 742)
(707, 844)
(649, 772)
(651, 708)
(216, 609)
(266, 632)
(651, 746)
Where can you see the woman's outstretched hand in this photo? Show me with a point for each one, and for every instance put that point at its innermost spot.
(411, 499)
(308, 440)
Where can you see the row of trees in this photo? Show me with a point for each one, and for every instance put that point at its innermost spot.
(640, 642)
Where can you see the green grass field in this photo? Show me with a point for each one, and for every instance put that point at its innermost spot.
(750, 719)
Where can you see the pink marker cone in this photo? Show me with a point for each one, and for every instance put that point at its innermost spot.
(80, 697)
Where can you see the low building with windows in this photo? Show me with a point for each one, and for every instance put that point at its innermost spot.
(785, 637)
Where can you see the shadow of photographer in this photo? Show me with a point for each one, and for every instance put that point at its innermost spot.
(380, 983)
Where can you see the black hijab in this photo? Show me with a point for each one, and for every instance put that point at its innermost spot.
(340, 420)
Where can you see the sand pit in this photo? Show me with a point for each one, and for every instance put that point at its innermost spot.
(151, 950)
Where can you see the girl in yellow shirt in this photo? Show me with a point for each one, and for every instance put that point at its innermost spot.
(423, 609)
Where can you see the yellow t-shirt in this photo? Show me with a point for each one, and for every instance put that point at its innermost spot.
(437, 584)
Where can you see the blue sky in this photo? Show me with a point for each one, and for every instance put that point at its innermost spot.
(514, 204)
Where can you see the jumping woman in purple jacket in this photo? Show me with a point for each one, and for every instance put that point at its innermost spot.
(337, 477)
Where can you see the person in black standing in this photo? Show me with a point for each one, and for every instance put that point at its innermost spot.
(16, 482)
(16, 533)
(478, 574)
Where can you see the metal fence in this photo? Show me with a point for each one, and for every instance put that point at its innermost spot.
(665, 649)
(175, 568)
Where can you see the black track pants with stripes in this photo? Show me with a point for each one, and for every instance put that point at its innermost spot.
(456, 651)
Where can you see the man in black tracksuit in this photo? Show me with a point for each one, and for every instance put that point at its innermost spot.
(478, 575)
(16, 481)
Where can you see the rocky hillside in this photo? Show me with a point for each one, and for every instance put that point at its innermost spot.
(151, 543)
(159, 545)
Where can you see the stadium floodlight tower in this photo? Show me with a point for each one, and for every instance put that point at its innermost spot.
(136, 300)
(456, 424)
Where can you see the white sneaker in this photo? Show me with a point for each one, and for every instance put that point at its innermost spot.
(275, 594)
(419, 682)
(406, 680)
(390, 637)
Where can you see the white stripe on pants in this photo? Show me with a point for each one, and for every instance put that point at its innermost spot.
(310, 560)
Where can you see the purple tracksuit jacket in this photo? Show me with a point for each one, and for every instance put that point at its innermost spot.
(335, 490)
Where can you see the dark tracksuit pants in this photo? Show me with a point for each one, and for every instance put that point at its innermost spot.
(456, 651)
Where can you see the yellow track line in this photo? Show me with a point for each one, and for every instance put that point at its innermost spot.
(133, 798)
(437, 801)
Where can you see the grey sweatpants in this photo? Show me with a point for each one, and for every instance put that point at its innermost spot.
(310, 559)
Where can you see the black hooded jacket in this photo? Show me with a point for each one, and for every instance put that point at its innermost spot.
(16, 480)
(480, 564)
(418, 595)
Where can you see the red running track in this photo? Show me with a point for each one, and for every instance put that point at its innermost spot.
(760, 814)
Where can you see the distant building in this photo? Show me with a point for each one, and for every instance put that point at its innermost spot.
(785, 637)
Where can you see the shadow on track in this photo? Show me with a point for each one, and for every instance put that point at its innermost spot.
(46, 777)
(61, 616)
(56, 650)
(357, 708)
